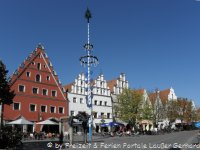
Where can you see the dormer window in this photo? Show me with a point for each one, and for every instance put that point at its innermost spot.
(38, 78)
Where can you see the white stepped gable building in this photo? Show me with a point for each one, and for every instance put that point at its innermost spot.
(116, 86)
(172, 95)
(102, 105)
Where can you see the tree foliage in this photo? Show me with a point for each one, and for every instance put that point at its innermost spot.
(147, 111)
(129, 107)
(173, 110)
(181, 109)
(186, 109)
(6, 95)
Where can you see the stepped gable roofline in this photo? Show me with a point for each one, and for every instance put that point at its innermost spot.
(39, 51)
(40, 46)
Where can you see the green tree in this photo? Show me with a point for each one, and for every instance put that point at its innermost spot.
(147, 111)
(185, 109)
(173, 110)
(188, 112)
(6, 95)
(129, 106)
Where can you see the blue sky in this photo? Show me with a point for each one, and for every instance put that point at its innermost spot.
(156, 43)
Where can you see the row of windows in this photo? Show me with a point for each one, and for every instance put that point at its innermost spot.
(38, 65)
(35, 90)
(100, 103)
(75, 100)
(95, 115)
(95, 102)
(37, 77)
(43, 108)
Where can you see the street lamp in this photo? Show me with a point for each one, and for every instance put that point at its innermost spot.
(89, 60)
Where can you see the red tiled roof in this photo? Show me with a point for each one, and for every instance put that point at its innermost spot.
(152, 98)
(164, 95)
(140, 91)
(111, 84)
(69, 86)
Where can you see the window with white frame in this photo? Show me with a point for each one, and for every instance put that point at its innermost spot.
(35, 90)
(38, 66)
(16, 106)
(100, 103)
(95, 102)
(81, 101)
(74, 99)
(61, 110)
(32, 107)
(38, 78)
(52, 109)
(21, 88)
(48, 78)
(105, 103)
(44, 92)
(28, 74)
(54, 93)
(43, 108)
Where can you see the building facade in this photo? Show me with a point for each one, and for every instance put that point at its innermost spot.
(101, 100)
(116, 86)
(39, 93)
(160, 102)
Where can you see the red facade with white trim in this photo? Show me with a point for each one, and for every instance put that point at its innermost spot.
(39, 94)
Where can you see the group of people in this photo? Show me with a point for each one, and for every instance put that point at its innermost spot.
(128, 130)
(39, 135)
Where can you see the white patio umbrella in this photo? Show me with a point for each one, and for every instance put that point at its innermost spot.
(20, 121)
(47, 122)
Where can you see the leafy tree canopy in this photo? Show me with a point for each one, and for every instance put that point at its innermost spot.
(129, 107)
(6, 95)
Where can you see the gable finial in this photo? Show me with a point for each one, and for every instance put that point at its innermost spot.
(40, 46)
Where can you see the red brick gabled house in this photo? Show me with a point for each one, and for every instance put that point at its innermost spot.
(39, 93)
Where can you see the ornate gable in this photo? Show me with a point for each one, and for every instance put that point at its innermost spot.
(117, 85)
(37, 69)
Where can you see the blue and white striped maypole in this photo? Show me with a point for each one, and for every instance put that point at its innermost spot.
(89, 60)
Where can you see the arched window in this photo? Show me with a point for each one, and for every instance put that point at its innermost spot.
(38, 78)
